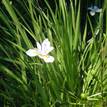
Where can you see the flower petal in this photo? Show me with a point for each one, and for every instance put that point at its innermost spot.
(92, 13)
(98, 10)
(46, 48)
(49, 59)
(45, 44)
(32, 52)
(90, 8)
(95, 8)
(38, 45)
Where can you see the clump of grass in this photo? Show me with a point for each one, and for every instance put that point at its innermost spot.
(78, 74)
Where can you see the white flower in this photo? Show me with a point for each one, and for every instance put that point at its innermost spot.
(42, 51)
(93, 10)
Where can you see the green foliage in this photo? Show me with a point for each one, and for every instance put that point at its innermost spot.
(77, 77)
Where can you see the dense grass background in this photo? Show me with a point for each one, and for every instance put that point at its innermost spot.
(77, 77)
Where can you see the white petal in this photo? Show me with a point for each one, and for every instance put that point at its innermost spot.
(90, 8)
(45, 44)
(95, 8)
(46, 51)
(49, 59)
(32, 52)
(46, 48)
(50, 49)
(46, 41)
(38, 45)
(98, 10)
(92, 13)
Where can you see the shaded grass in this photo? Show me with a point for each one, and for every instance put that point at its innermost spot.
(78, 75)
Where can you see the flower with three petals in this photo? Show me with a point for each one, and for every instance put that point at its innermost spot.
(42, 51)
(93, 10)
